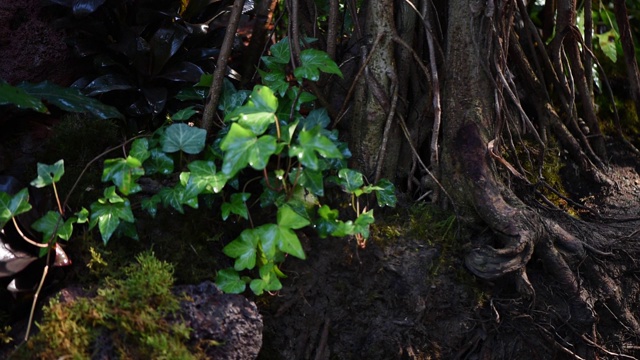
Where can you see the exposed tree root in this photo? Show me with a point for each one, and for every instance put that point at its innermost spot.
(519, 233)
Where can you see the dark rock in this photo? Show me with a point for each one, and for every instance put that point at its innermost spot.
(226, 326)
(32, 49)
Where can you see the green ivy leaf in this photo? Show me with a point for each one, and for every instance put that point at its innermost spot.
(281, 51)
(343, 228)
(312, 62)
(309, 179)
(243, 249)
(82, 216)
(242, 147)
(268, 280)
(311, 142)
(276, 79)
(350, 180)
(108, 212)
(184, 114)
(607, 42)
(151, 204)
(48, 174)
(289, 218)
(237, 206)
(123, 173)
(52, 225)
(181, 194)
(140, 150)
(159, 162)
(204, 174)
(327, 222)
(259, 112)
(361, 225)
(386, 196)
(275, 237)
(185, 138)
(228, 280)
(231, 98)
(317, 117)
(11, 206)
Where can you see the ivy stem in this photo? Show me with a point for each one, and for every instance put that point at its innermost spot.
(35, 300)
(24, 237)
(55, 193)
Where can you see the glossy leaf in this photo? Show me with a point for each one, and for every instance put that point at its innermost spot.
(11, 206)
(185, 138)
(387, 195)
(268, 280)
(361, 225)
(184, 114)
(281, 51)
(228, 280)
(159, 163)
(11, 95)
(313, 61)
(48, 174)
(124, 173)
(311, 142)
(259, 112)
(70, 100)
(243, 249)
(327, 222)
(182, 72)
(289, 218)
(242, 147)
(231, 98)
(237, 205)
(53, 225)
(108, 212)
(107, 83)
(310, 179)
(140, 150)
(350, 180)
(204, 174)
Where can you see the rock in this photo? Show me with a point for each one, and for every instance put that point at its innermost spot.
(32, 49)
(228, 326)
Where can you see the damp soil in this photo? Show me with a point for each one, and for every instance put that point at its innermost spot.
(409, 296)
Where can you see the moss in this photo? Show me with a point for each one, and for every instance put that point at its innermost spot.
(131, 310)
(78, 139)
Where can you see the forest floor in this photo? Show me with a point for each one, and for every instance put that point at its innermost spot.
(409, 296)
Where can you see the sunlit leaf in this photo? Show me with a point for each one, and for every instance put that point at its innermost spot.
(52, 225)
(242, 147)
(11, 206)
(243, 249)
(48, 174)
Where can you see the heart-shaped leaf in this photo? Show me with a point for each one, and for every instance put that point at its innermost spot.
(185, 138)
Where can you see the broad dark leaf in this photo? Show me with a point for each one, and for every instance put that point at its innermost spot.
(184, 71)
(86, 7)
(164, 44)
(107, 83)
(70, 100)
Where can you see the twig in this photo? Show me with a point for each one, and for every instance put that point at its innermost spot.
(322, 345)
(341, 113)
(86, 167)
(221, 66)
(387, 127)
(35, 300)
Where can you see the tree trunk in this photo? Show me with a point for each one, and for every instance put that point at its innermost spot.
(373, 141)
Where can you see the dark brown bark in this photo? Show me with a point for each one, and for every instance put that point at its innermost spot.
(626, 39)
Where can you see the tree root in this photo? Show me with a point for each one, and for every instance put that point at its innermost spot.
(520, 233)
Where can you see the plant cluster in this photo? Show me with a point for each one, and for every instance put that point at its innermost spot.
(143, 52)
(267, 153)
(130, 311)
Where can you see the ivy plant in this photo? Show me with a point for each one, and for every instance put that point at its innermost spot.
(266, 140)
